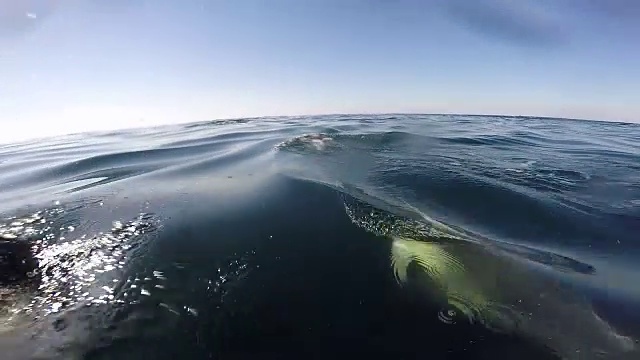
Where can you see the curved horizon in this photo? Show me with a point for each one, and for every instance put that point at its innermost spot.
(82, 66)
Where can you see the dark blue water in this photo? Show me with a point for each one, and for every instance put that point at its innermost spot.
(408, 237)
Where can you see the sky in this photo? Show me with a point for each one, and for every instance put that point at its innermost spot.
(84, 65)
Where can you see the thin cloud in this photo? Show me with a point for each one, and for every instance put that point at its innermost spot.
(629, 9)
(517, 22)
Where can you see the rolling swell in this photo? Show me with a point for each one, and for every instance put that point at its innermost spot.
(196, 240)
(528, 198)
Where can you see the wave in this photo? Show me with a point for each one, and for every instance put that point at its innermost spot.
(502, 222)
(464, 186)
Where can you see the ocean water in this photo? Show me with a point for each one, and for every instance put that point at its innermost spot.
(398, 236)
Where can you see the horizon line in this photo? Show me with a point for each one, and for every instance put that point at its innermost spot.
(310, 115)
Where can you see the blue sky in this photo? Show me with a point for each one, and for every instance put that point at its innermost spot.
(83, 65)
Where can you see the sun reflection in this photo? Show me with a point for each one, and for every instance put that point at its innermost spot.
(67, 272)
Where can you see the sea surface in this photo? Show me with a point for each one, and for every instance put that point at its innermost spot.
(386, 236)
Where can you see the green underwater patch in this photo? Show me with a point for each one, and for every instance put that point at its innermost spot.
(489, 284)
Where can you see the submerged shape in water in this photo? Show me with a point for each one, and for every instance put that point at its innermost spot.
(491, 286)
(309, 142)
(447, 272)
